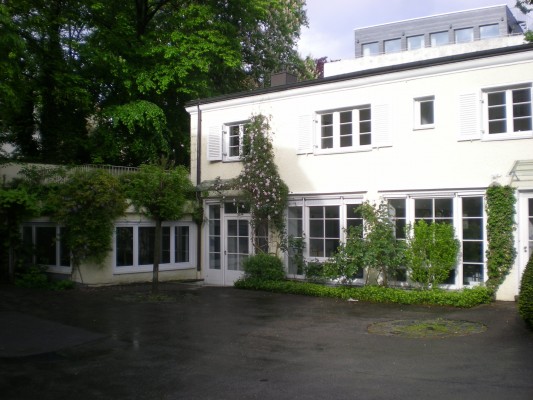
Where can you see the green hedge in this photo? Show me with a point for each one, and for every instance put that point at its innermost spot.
(465, 298)
(525, 299)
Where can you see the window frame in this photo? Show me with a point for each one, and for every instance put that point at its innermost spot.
(54, 268)
(336, 130)
(373, 49)
(438, 35)
(227, 146)
(410, 40)
(509, 113)
(418, 102)
(484, 36)
(170, 266)
(396, 43)
(470, 30)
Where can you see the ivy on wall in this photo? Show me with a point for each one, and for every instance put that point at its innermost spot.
(501, 252)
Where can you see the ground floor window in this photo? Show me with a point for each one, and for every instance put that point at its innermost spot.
(465, 212)
(43, 245)
(320, 225)
(135, 244)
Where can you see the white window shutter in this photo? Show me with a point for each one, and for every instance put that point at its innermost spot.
(381, 126)
(305, 134)
(469, 126)
(214, 144)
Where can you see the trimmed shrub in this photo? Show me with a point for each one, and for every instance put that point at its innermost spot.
(525, 299)
(264, 267)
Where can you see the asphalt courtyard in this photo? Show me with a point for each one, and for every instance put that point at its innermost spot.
(202, 342)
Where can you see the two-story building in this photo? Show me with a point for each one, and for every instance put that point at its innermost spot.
(426, 125)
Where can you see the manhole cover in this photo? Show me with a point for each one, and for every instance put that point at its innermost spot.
(426, 328)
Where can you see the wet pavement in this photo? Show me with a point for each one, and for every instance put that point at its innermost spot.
(202, 342)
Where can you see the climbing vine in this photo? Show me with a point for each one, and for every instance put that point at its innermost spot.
(501, 252)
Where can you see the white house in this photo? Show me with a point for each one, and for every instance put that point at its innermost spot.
(427, 131)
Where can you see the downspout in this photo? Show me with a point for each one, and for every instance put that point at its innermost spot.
(198, 194)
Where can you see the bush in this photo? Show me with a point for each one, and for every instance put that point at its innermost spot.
(314, 271)
(525, 299)
(464, 298)
(36, 278)
(264, 267)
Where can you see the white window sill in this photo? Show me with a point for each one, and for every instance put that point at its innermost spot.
(487, 137)
(342, 150)
(424, 127)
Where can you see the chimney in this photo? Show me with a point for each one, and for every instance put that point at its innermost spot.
(282, 78)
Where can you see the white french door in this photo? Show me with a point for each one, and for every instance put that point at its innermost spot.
(228, 245)
(525, 224)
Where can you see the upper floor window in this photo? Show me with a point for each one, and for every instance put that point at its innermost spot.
(508, 110)
(424, 112)
(489, 31)
(464, 35)
(233, 141)
(439, 38)
(393, 46)
(415, 42)
(370, 49)
(346, 129)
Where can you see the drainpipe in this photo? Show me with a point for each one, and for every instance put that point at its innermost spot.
(198, 182)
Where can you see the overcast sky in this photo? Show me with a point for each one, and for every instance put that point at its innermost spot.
(331, 22)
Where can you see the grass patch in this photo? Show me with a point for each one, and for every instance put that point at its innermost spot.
(465, 298)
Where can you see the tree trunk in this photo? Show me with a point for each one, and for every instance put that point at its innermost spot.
(157, 255)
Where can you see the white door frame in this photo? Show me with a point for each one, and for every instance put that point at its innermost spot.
(525, 231)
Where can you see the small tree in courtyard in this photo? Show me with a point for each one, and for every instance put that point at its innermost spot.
(432, 252)
(159, 194)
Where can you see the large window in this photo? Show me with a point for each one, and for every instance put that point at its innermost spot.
(324, 230)
(508, 111)
(134, 247)
(472, 241)
(346, 129)
(44, 245)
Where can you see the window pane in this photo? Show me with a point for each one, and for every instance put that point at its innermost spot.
(443, 208)
(326, 119)
(316, 212)
(464, 35)
(316, 228)
(64, 250)
(353, 211)
(473, 251)
(415, 42)
(370, 49)
(522, 125)
(316, 248)
(295, 212)
(181, 237)
(472, 228)
(497, 112)
(332, 228)
(497, 127)
(165, 245)
(146, 245)
(439, 39)
(522, 110)
(45, 245)
(345, 116)
(472, 273)
(489, 31)
(331, 246)
(332, 211)
(365, 140)
(496, 98)
(364, 114)
(472, 207)
(423, 208)
(426, 112)
(124, 246)
(393, 46)
(521, 96)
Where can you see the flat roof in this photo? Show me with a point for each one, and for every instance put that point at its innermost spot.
(429, 16)
(369, 72)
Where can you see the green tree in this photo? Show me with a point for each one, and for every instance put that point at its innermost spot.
(431, 253)
(16, 205)
(107, 81)
(162, 195)
(87, 204)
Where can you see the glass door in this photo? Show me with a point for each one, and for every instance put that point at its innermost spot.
(237, 248)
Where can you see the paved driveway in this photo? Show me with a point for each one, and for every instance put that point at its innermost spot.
(223, 343)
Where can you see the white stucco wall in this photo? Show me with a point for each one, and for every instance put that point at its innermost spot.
(430, 159)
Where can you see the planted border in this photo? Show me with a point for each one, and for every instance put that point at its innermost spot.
(465, 298)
